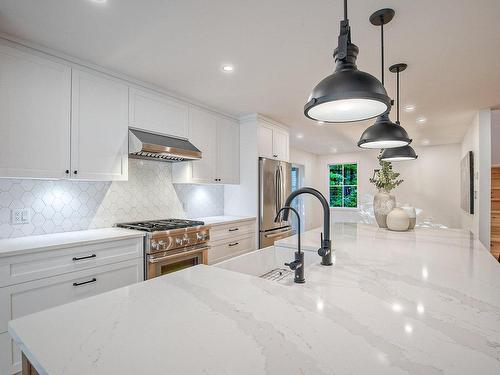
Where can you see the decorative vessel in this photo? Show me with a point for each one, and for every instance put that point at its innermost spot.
(398, 220)
(412, 214)
(383, 204)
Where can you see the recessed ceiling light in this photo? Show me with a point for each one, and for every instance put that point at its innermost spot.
(300, 136)
(425, 141)
(421, 120)
(409, 108)
(334, 150)
(227, 68)
(99, 1)
(320, 123)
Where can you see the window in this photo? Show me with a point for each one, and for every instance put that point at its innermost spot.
(343, 183)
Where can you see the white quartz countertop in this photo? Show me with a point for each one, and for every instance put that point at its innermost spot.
(220, 220)
(24, 245)
(424, 302)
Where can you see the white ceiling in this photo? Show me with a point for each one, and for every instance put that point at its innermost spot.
(280, 50)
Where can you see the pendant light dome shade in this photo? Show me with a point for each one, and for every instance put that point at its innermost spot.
(384, 134)
(348, 94)
(399, 154)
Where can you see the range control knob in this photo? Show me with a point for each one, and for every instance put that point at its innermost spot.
(178, 241)
(200, 236)
(185, 240)
(154, 245)
(162, 245)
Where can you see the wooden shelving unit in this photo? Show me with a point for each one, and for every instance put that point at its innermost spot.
(495, 212)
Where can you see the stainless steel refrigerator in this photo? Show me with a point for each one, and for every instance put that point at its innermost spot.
(275, 185)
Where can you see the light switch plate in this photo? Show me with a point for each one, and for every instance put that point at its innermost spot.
(20, 216)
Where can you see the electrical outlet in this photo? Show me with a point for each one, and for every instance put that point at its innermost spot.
(20, 216)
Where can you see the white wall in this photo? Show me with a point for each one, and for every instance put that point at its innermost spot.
(313, 211)
(479, 140)
(242, 199)
(495, 138)
(432, 183)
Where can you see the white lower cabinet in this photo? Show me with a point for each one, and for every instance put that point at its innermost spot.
(30, 297)
(231, 239)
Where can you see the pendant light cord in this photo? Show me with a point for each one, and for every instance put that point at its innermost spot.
(382, 48)
(397, 94)
(345, 10)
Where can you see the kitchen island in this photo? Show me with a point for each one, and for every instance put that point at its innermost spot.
(420, 302)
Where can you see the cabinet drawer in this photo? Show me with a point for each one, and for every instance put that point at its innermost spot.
(226, 250)
(28, 298)
(22, 268)
(228, 231)
(10, 355)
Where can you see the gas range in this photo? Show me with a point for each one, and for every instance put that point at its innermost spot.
(169, 234)
(171, 244)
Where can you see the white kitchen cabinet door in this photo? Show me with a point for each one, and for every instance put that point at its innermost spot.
(228, 151)
(31, 297)
(265, 135)
(99, 128)
(158, 113)
(280, 144)
(34, 115)
(203, 134)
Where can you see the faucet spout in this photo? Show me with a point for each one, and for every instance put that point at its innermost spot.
(325, 251)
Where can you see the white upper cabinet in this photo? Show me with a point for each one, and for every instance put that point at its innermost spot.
(228, 151)
(265, 141)
(281, 141)
(99, 127)
(273, 142)
(202, 134)
(34, 115)
(218, 138)
(158, 113)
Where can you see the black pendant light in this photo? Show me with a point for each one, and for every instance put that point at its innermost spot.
(348, 94)
(384, 133)
(404, 152)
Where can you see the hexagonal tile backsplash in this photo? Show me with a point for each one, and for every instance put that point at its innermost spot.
(61, 206)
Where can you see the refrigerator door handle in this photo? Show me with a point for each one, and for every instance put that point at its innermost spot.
(276, 187)
(280, 189)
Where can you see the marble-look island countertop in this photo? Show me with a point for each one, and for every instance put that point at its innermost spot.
(424, 302)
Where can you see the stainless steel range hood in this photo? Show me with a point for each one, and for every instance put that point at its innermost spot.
(147, 145)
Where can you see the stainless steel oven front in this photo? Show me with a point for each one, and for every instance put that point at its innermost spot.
(162, 263)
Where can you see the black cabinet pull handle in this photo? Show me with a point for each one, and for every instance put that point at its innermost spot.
(93, 280)
(75, 172)
(233, 229)
(234, 244)
(82, 258)
(66, 171)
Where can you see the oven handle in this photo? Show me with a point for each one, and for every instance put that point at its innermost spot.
(279, 234)
(161, 259)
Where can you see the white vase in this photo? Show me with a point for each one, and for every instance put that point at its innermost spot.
(398, 220)
(383, 203)
(412, 214)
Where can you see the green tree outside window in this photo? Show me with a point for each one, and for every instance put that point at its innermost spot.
(343, 185)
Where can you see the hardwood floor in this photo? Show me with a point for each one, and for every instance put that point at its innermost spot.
(495, 212)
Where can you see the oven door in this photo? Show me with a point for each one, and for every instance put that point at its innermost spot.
(159, 264)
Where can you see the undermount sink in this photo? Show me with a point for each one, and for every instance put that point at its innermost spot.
(267, 263)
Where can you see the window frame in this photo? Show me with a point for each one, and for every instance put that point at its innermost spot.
(329, 164)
